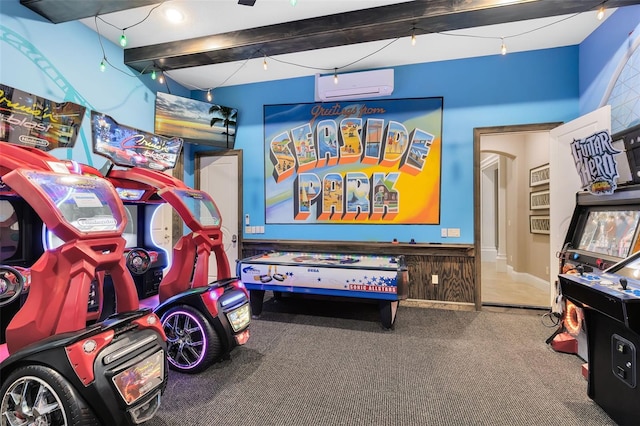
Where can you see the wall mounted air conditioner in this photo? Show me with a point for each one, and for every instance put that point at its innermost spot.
(355, 85)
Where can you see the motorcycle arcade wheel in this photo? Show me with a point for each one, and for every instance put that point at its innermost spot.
(37, 395)
(138, 261)
(192, 343)
(11, 284)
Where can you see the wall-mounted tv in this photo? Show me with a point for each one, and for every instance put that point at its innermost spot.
(195, 121)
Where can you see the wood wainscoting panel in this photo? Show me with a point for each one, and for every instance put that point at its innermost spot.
(453, 264)
(455, 278)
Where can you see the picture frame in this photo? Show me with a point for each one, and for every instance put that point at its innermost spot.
(194, 121)
(539, 224)
(539, 200)
(539, 175)
(305, 182)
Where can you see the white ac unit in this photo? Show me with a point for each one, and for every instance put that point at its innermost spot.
(355, 85)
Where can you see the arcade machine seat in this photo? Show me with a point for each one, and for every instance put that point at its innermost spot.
(82, 375)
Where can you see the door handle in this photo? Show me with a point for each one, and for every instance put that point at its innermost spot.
(234, 238)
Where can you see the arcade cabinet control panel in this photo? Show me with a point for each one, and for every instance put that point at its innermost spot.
(617, 297)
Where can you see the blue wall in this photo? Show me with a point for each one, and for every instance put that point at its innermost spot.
(519, 88)
(61, 62)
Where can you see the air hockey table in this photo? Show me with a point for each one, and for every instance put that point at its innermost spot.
(382, 278)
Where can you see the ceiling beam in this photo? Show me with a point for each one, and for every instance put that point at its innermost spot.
(58, 11)
(374, 24)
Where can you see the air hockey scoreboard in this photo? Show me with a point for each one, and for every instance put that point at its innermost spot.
(383, 278)
(610, 301)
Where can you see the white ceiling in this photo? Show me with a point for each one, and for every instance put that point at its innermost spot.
(208, 17)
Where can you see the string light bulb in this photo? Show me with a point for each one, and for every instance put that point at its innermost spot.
(161, 78)
(173, 15)
(103, 64)
(600, 13)
(503, 48)
(153, 75)
(335, 76)
(123, 39)
(264, 63)
(413, 36)
(209, 95)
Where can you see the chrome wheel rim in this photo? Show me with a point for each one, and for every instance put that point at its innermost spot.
(186, 339)
(31, 401)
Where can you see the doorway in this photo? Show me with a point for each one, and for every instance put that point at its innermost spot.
(512, 263)
(219, 174)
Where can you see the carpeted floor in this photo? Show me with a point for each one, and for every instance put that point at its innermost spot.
(312, 362)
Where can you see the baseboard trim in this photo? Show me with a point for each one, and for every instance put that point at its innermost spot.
(438, 304)
(528, 278)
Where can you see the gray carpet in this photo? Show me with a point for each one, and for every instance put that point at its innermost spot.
(330, 363)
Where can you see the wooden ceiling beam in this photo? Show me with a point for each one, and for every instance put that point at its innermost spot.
(373, 24)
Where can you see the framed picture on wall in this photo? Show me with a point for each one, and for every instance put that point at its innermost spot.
(539, 175)
(539, 200)
(355, 163)
(539, 224)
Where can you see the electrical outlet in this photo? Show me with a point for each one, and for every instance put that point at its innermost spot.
(434, 279)
(443, 232)
(453, 233)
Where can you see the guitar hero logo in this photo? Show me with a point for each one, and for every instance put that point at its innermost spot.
(595, 162)
(348, 139)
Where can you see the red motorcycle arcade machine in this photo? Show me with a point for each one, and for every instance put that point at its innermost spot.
(203, 320)
(59, 370)
(601, 277)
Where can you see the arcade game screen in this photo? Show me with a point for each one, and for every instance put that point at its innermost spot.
(9, 231)
(629, 268)
(20, 242)
(610, 232)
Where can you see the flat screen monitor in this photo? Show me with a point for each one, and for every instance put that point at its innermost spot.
(195, 121)
(610, 232)
(9, 231)
(19, 244)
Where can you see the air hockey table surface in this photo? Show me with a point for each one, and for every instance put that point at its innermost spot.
(383, 278)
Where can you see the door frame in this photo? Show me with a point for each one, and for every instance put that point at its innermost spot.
(478, 132)
(222, 153)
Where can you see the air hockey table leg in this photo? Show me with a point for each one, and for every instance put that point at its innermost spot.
(388, 310)
(256, 298)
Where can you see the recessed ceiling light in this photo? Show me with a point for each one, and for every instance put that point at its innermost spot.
(174, 15)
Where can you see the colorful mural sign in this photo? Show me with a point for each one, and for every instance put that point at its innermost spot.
(595, 162)
(31, 120)
(129, 147)
(374, 162)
